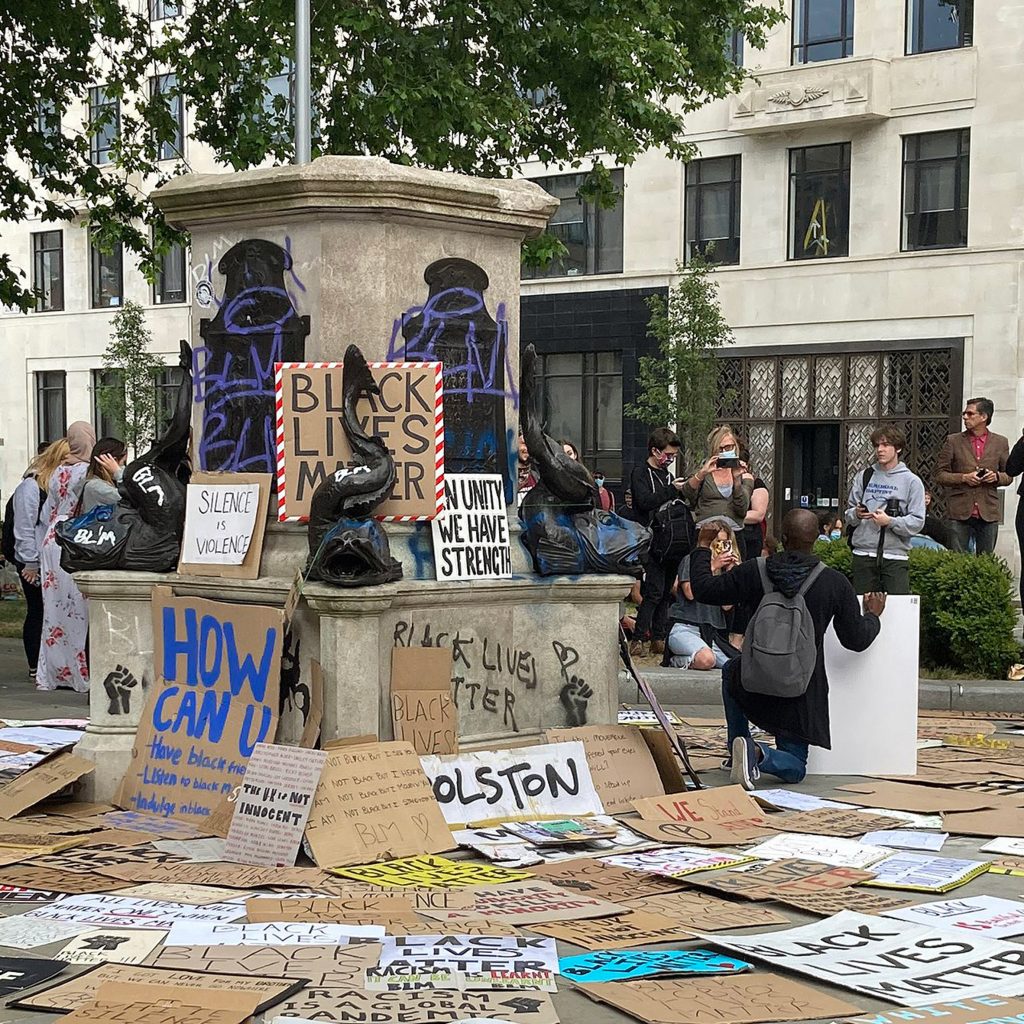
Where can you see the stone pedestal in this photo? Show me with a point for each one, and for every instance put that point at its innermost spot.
(296, 263)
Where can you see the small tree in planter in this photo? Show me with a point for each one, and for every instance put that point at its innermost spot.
(679, 385)
(131, 402)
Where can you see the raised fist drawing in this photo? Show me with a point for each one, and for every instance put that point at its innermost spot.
(575, 696)
(118, 687)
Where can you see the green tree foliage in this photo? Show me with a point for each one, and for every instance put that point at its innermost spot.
(133, 406)
(448, 84)
(680, 384)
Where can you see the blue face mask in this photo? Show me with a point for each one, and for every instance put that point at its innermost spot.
(599, 480)
(836, 534)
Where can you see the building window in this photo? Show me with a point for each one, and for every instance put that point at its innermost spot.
(108, 402)
(936, 182)
(822, 30)
(106, 276)
(939, 25)
(47, 120)
(166, 86)
(48, 270)
(592, 235)
(104, 124)
(713, 209)
(819, 201)
(278, 103)
(582, 402)
(161, 10)
(734, 47)
(170, 276)
(51, 406)
(166, 385)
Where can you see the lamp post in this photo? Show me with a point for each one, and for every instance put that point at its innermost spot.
(303, 153)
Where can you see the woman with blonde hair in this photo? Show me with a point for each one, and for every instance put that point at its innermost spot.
(721, 488)
(62, 661)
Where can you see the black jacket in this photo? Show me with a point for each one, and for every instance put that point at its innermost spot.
(831, 598)
(1015, 463)
(651, 489)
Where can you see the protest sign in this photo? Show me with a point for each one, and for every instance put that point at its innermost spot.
(924, 873)
(273, 804)
(216, 696)
(416, 872)
(677, 862)
(907, 839)
(705, 912)
(231, 876)
(620, 763)
(22, 932)
(1008, 845)
(824, 849)
(903, 963)
(150, 825)
(983, 1010)
(605, 881)
(403, 976)
(225, 519)
(844, 822)
(793, 800)
(981, 915)
(1007, 866)
(19, 894)
(196, 895)
(714, 816)
(281, 933)
(43, 780)
(18, 972)
(598, 967)
(150, 1005)
(645, 716)
(549, 780)
(727, 999)
(374, 803)
(422, 709)
(471, 539)
(560, 832)
(106, 910)
(1007, 821)
(829, 902)
(111, 945)
(905, 796)
(83, 988)
(311, 441)
(32, 876)
(772, 879)
(355, 1006)
(527, 903)
(634, 928)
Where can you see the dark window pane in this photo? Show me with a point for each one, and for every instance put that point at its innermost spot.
(107, 282)
(822, 30)
(107, 402)
(166, 384)
(936, 178)
(824, 19)
(819, 202)
(48, 270)
(166, 86)
(105, 124)
(51, 405)
(734, 47)
(939, 25)
(170, 278)
(713, 209)
(161, 9)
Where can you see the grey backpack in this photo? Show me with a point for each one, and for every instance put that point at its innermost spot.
(779, 647)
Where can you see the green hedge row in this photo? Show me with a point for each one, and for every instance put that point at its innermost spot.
(967, 616)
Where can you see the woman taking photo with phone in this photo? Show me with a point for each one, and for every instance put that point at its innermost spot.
(721, 488)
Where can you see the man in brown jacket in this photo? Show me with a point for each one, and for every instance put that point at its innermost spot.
(971, 466)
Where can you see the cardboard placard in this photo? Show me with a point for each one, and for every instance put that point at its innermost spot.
(827, 903)
(886, 959)
(231, 876)
(414, 872)
(471, 538)
(150, 825)
(284, 933)
(600, 967)
(111, 945)
(374, 803)
(225, 520)
(706, 816)
(32, 876)
(361, 904)
(38, 783)
(549, 780)
(311, 441)
(527, 903)
(636, 928)
(904, 796)
(704, 912)
(89, 859)
(108, 910)
(775, 879)
(1006, 822)
(621, 763)
(82, 989)
(423, 711)
(19, 972)
(196, 895)
(728, 999)
(843, 822)
(273, 804)
(218, 670)
(595, 878)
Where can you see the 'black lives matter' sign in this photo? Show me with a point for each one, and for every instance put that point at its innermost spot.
(471, 539)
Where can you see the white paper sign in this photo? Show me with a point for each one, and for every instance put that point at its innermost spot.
(219, 523)
(282, 933)
(910, 964)
(111, 945)
(924, 872)
(22, 932)
(472, 953)
(907, 817)
(979, 915)
(548, 780)
(197, 850)
(793, 800)
(1005, 845)
(907, 839)
(677, 861)
(841, 853)
(471, 540)
(103, 911)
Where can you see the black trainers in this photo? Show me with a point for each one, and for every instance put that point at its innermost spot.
(745, 758)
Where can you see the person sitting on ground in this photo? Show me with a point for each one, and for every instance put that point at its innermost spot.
(796, 722)
(698, 637)
(935, 534)
(106, 468)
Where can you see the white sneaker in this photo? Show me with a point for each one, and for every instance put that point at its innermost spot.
(744, 763)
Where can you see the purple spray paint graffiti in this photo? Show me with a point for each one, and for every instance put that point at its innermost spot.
(256, 326)
(453, 325)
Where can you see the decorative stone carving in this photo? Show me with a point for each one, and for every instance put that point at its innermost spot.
(797, 96)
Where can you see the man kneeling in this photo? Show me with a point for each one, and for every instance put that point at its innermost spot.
(767, 684)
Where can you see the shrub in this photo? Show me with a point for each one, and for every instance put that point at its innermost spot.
(967, 617)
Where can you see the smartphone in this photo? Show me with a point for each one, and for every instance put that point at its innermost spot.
(727, 463)
(980, 473)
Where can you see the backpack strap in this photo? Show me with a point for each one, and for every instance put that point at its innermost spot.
(865, 479)
(811, 577)
(763, 572)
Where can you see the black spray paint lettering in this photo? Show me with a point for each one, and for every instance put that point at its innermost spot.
(517, 780)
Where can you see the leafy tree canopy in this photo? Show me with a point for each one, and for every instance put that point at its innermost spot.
(451, 84)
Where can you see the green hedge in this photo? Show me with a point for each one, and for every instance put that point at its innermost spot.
(967, 616)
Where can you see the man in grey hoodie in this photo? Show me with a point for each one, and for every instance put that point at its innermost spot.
(886, 508)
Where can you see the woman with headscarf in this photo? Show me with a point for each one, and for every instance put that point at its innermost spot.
(62, 661)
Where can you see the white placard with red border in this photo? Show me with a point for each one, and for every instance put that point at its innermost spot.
(311, 441)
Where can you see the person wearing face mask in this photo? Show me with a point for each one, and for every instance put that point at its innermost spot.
(606, 498)
(652, 485)
(831, 526)
(722, 487)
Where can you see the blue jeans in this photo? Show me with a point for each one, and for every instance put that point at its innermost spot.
(788, 759)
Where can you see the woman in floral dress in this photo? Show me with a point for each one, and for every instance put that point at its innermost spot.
(62, 661)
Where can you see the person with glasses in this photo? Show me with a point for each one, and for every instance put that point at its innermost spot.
(972, 468)
(722, 487)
